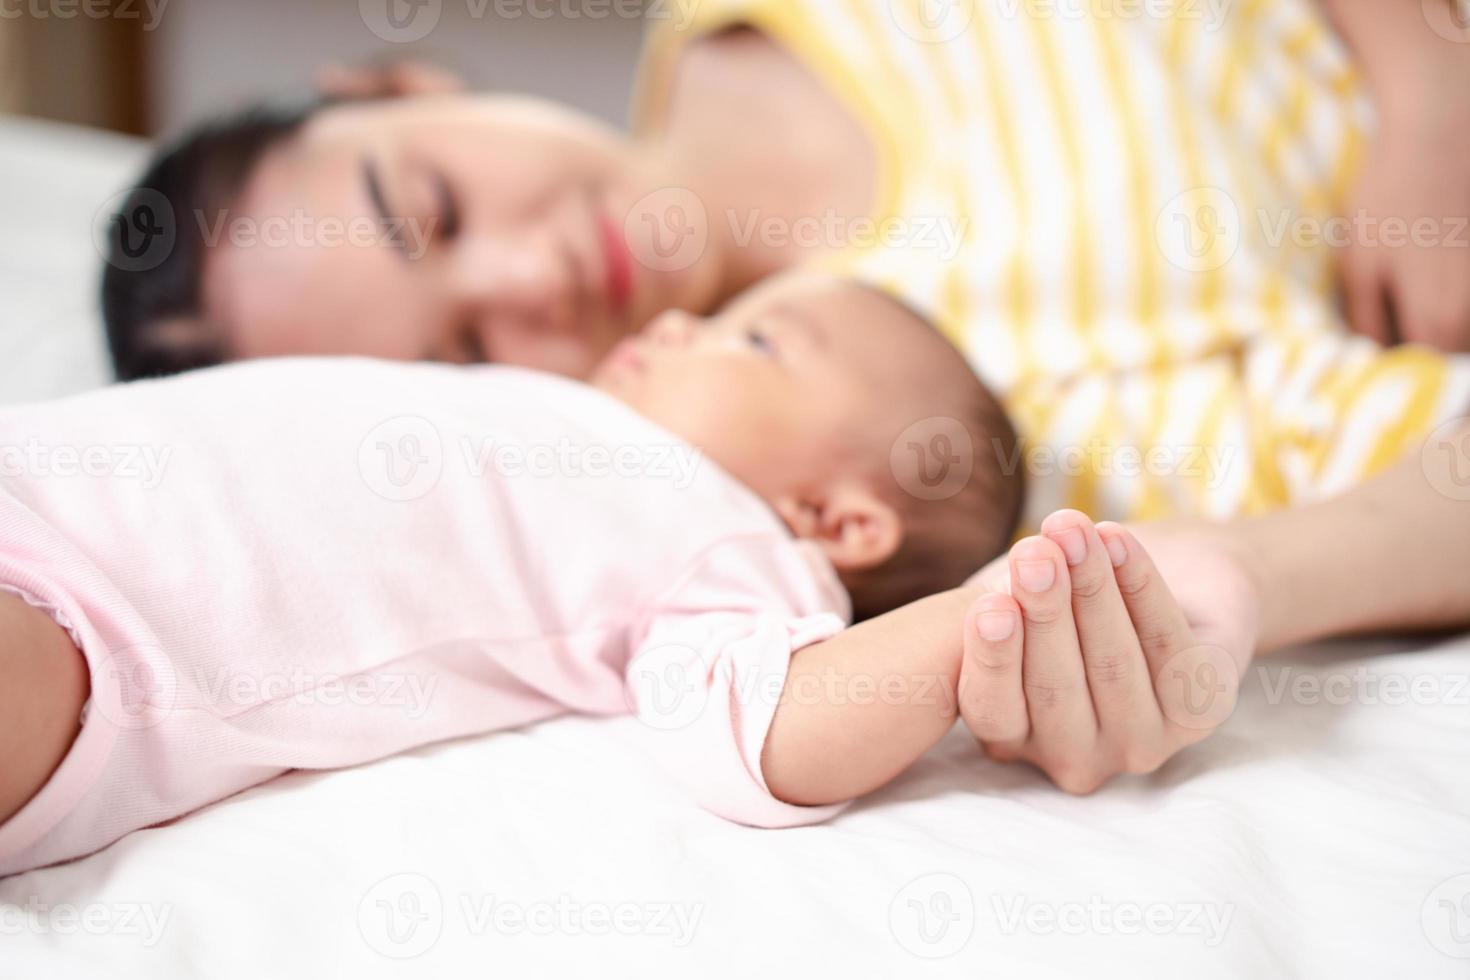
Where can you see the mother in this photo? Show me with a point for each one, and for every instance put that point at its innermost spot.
(1090, 205)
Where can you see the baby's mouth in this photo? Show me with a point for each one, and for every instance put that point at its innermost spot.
(622, 360)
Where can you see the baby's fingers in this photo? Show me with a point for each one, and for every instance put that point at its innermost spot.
(991, 698)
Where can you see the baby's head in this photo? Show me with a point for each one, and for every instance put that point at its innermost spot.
(802, 387)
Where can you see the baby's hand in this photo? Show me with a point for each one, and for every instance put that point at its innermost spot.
(1080, 659)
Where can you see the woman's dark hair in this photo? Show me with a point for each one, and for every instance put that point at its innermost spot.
(152, 285)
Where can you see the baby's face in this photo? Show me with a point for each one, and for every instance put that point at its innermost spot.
(780, 387)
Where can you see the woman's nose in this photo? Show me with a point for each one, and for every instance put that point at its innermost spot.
(527, 281)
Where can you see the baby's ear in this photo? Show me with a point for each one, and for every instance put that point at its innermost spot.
(856, 528)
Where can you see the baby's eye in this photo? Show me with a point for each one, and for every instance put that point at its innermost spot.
(760, 341)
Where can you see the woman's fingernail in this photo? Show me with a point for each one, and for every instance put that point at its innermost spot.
(1072, 542)
(996, 625)
(1036, 576)
(1117, 550)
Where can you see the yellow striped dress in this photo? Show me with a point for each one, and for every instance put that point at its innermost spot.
(1119, 210)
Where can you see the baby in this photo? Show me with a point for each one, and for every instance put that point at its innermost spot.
(332, 561)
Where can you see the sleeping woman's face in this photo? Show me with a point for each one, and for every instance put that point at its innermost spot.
(450, 228)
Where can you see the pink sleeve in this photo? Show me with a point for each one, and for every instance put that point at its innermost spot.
(710, 668)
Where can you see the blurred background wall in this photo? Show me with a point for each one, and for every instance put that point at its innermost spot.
(150, 66)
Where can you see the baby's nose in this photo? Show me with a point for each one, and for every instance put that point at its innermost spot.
(672, 328)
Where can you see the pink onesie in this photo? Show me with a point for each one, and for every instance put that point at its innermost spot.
(309, 564)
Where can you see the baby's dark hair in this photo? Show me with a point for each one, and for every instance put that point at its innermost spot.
(152, 304)
(951, 475)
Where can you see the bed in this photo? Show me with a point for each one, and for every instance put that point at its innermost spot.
(1325, 832)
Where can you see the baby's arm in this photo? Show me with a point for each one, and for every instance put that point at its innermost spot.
(859, 708)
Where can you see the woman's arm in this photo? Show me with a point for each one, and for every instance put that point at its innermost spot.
(1392, 554)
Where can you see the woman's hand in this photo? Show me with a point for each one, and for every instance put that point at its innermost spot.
(1091, 655)
(1406, 263)
(386, 80)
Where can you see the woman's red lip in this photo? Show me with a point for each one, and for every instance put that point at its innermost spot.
(619, 264)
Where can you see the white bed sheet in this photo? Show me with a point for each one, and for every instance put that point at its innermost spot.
(1322, 835)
